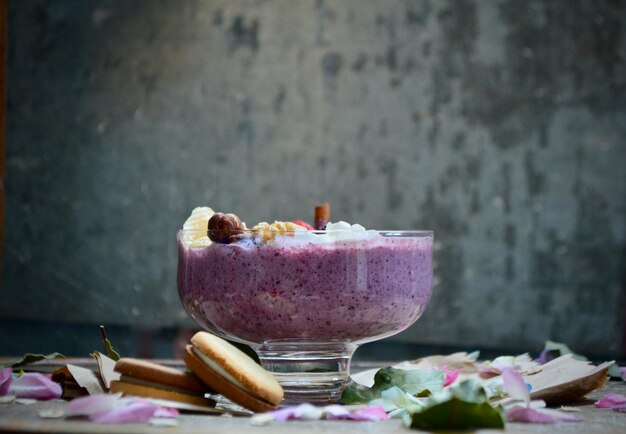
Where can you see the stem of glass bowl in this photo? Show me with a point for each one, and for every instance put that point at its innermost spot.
(308, 372)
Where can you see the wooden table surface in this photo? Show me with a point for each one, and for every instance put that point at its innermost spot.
(19, 418)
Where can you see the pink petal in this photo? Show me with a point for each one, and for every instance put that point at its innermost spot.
(166, 412)
(370, 413)
(138, 410)
(514, 385)
(88, 405)
(302, 411)
(335, 412)
(35, 386)
(6, 378)
(620, 408)
(531, 415)
(622, 372)
(451, 376)
(611, 400)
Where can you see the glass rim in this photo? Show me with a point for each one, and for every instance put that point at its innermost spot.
(389, 232)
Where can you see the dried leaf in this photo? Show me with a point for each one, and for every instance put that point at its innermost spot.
(106, 367)
(29, 358)
(566, 379)
(110, 351)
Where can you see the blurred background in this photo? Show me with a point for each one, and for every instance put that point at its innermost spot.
(500, 125)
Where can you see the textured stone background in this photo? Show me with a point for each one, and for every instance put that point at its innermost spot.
(499, 124)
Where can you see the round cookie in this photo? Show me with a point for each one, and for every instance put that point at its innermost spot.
(150, 380)
(232, 373)
(148, 371)
(157, 393)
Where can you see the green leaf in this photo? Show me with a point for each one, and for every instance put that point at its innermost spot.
(29, 358)
(111, 353)
(413, 381)
(356, 393)
(457, 414)
(464, 406)
(470, 391)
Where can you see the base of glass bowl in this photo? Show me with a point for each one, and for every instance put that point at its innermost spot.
(309, 372)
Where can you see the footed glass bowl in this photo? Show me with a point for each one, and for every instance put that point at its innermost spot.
(304, 301)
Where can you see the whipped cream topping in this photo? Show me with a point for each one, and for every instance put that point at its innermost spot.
(340, 231)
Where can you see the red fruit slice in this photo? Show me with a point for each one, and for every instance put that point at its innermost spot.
(303, 224)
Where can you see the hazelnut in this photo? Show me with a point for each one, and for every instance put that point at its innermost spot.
(224, 228)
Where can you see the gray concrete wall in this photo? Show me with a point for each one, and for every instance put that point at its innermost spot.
(499, 124)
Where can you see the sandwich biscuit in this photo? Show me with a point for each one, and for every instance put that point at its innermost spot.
(232, 373)
(150, 380)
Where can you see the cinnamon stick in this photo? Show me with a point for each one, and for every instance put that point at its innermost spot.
(322, 216)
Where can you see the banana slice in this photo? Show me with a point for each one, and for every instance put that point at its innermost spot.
(195, 228)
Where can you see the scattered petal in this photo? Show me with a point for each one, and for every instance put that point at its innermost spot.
(546, 355)
(6, 378)
(545, 416)
(329, 412)
(52, 413)
(163, 422)
(6, 399)
(503, 362)
(622, 372)
(138, 410)
(35, 386)
(620, 408)
(451, 375)
(25, 401)
(166, 413)
(302, 411)
(91, 404)
(514, 385)
(610, 401)
(261, 419)
(397, 402)
(372, 413)
(334, 412)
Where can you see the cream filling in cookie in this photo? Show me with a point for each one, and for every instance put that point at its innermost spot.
(223, 373)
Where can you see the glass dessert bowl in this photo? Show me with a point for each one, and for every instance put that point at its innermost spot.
(304, 300)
